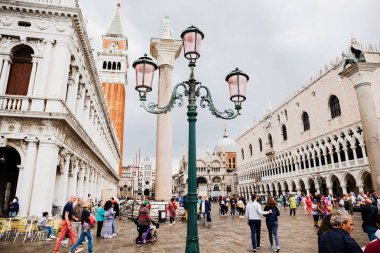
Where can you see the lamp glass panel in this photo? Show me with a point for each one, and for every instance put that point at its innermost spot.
(237, 87)
(144, 76)
(189, 45)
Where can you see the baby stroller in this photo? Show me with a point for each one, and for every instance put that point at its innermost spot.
(150, 235)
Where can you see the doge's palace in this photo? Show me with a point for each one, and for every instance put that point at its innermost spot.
(313, 141)
(56, 138)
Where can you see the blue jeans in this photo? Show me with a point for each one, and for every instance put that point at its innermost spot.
(12, 214)
(113, 226)
(83, 234)
(255, 226)
(273, 231)
(49, 229)
(371, 232)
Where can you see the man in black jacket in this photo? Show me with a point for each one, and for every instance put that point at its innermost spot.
(369, 215)
(338, 239)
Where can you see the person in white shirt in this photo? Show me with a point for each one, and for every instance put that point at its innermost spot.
(252, 214)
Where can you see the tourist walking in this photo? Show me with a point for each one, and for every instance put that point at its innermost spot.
(338, 238)
(369, 216)
(67, 216)
(85, 229)
(205, 209)
(115, 207)
(252, 215)
(315, 213)
(42, 225)
(309, 205)
(222, 206)
(292, 205)
(108, 219)
(240, 205)
(272, 222)
(99, 219)
(171, 210)
(77, 216)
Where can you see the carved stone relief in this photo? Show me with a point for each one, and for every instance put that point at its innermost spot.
(7, 20)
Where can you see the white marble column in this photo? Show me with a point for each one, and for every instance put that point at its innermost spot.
(86, 183)
(80, 101)
(62, 193)
(166, 51)
(360, 75)
(73, 179)
(42, 76)
(25, 182)
(73, 89)
(81, 175)
(7, 61)
(32, 79)
(1, 63)
(44, 178)
(56, 90)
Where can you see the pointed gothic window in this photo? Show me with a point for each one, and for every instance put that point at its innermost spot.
(305, 121)
(114, 66)
(260, 145)
(284, 133)
(118, 66)
(104, 65)
(270, 140)
(250, 149)
(334, 106)
(242, 154)
(109, 65)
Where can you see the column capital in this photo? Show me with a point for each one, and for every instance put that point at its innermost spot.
(360, 73)
(165, 51)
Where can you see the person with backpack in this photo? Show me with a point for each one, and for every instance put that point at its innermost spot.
(272, 222)
(87, 222)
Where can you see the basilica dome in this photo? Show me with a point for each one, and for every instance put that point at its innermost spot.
(225, 144)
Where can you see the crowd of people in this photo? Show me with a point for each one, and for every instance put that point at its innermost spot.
(331, 218)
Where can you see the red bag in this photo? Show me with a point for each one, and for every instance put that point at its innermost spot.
(92, 221)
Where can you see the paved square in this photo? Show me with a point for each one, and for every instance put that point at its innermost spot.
(224, 234)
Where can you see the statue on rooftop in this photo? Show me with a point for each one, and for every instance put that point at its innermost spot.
(166, 29)
(355, 56)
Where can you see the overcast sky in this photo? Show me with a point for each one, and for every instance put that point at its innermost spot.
(279, 44)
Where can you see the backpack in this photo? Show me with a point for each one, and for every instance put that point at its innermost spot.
(92, 221)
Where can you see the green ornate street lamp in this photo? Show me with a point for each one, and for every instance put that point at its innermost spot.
(237, 81)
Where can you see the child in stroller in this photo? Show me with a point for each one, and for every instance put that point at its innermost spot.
(149, 235)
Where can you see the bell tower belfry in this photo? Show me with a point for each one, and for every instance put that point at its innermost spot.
(112, 68)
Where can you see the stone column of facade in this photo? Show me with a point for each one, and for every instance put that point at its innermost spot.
(57, 89)
(344, 188)
(7, 61)
(1, 65)
(360, 75)
(32, 79)
(44, 178)
(25, 184)
(86, 183)
(39, 89)
(62, 193)
(72, 88)
(73, 178)
(81, 175)
(166, 51)
(80, 101)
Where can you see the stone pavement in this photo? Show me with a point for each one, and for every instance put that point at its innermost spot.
(224, 234)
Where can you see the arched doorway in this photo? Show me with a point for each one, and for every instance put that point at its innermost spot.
(367, 182)
(351, 184)
(9, 159)
(312, 186)
(322, 185)
(202, 186)
(21, 69)
(146, 192)
(286, 187)
(337, 190)
(303, 187)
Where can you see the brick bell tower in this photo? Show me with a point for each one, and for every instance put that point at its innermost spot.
(112, 69)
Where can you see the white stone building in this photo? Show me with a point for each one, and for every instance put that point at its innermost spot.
(312, 142)
(147, 178)
(56, 138)
(216, 172)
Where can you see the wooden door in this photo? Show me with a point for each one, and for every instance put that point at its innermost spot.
(19, 77)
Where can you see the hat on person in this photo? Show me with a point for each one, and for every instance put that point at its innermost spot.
(145, 203)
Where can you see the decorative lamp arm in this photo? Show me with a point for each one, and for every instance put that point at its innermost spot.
(155, 109)
(227, 114)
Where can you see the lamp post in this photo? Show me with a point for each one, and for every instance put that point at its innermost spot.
(237, 81)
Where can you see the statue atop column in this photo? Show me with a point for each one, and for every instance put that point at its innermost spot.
(355, 56)
(166, 28)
